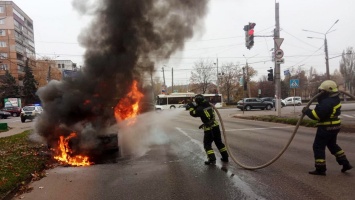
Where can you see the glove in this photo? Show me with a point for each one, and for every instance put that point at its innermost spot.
(190, 105)
(304, 110)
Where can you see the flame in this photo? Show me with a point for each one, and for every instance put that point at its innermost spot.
(128, 107)
(64, 152)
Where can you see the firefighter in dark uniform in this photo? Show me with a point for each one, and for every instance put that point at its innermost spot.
(327, 113)
(210, 126)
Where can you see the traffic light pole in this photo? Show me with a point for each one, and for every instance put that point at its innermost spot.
(277, 77)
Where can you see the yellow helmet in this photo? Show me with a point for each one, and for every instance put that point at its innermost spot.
(328, 86)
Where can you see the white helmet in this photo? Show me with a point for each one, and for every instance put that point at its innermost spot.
(328, 86)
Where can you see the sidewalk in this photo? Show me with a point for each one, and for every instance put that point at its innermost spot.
(15, 130)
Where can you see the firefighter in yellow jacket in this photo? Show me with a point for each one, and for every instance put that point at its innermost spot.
(210, 126)
(327, 113)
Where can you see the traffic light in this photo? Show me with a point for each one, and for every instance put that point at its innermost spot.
(270, 75)
(249, 35)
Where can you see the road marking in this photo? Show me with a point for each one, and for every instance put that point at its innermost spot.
(248, 129)
(239, 183)
(347, 116)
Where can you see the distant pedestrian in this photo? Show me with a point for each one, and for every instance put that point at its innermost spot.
(327, 113)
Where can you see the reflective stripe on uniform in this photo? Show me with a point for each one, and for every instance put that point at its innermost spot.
(210, 127)
(339, 153)
(223, 149)
(210, 152)
(335, 110)
(329, 123)
(315, 114)
(320, 161)
(191, 109)
(207, 114)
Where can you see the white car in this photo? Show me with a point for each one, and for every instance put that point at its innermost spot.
(159, 107)
(30, 112)
(293, 101)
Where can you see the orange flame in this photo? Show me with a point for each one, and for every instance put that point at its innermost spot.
(64, 152)
(128, 107)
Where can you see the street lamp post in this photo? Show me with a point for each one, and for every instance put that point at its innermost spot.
(217, 82)
(325, 45)
(247, 74)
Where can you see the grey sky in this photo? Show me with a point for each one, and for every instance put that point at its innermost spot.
(57, 26)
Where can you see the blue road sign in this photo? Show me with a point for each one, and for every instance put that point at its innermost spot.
(294, 83)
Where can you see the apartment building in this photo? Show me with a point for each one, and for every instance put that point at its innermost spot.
(16, 39)
(65, 65)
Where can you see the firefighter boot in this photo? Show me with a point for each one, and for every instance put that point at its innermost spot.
(211, 159)
(320, 170)
(210, 162)
(224, 155)
(346, 167)
(342, 160)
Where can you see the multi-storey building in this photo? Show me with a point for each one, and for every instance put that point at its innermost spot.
(16, 39)
(65, 65)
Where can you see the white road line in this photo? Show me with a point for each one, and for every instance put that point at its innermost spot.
(248, 129)
(239, 183)
(347, 116)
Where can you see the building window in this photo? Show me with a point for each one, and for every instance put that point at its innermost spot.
(2, 33)
(3, 44)
(62, 66)
(59, 66)
(3, 55)
(2, 21)
(2, 9)
(4, 67)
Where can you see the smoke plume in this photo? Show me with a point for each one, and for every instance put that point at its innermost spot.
(122, 44)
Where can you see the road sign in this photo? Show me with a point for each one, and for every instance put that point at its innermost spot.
(280, 61)
(278, 42)
(294, 83)
(279, 53)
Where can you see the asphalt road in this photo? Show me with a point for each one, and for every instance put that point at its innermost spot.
(162, 158)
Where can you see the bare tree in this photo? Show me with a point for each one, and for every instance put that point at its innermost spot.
(267, 87)
(250, 73)
(347, 69)
(202, 75)
(229, 79)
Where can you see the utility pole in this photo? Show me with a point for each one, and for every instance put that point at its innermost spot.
(244, 86)
(164, 86)
(277, 65)
(326, 56)
(172, 80)
(325, 45)
(49, 74)
(217, 78)
(152, 82)
(247, 80)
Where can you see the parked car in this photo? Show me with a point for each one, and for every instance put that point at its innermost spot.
(159, 107)
(272, 99)
(293, 101)
(4, 114)
(13, 110)
(30, 112)
(254, 103)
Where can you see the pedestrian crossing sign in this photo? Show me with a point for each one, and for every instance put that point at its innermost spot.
(294, 83)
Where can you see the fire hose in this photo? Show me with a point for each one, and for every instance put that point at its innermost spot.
(284, 148)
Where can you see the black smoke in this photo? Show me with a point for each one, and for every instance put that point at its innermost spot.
(122, 44)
